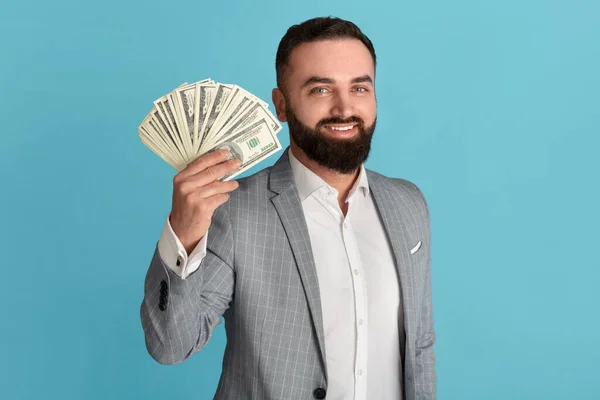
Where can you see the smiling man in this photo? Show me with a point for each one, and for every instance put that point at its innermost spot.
(319, 267)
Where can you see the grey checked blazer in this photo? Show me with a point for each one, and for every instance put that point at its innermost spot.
(259, 276)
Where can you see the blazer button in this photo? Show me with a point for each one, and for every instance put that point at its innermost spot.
(162, 306)
(319, 393)
(163, 284)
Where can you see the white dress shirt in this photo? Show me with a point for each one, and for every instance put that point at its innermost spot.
(358, 283)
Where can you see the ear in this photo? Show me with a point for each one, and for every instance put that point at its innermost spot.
(280, 106)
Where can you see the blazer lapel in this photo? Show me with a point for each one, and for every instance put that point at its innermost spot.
(390, 208)
(288, 206)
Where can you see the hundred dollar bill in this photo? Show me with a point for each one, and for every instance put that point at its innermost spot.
(251, 145)
(195, 118)
(166, 123)
(218, 102)
(238, 101)
(254, 113)
(226, 108)
(186, 98)
(170, 107)
(146, 130)
(159, 104)
(156, 147)
(158, 124)
(202, 99)
(176, 106)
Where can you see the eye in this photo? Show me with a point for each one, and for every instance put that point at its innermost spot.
(361, 89)
(319, 90)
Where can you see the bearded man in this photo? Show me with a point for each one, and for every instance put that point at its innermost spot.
(319, 267)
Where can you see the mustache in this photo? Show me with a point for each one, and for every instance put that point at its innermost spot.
(338, 120)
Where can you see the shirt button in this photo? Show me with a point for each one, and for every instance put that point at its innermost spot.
(360, 372)
(355, 272)
(360, 322)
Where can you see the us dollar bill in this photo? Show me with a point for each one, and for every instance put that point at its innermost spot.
(170, 107)
(196, 118)
(250, 145)
(238, 101)
(168, 124)
(164, 147)
(218, 103)
(159, 124)
(156, 147)
(253, 113)
(186, 103)
(147, 129)
(203, 99)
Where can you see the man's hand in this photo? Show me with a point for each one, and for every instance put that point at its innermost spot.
(197, 194)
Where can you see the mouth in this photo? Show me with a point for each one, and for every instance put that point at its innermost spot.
(341, 130)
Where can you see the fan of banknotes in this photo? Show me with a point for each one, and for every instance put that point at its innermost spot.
(201, 117)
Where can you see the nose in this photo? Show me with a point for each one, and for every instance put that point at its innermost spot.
(342, 105)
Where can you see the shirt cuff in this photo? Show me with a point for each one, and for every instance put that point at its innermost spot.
(174, 255)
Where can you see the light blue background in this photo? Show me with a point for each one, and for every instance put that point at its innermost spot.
(490, 107)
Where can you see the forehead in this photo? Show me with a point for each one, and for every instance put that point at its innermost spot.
(340, 59)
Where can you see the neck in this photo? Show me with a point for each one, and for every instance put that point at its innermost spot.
(341, 182)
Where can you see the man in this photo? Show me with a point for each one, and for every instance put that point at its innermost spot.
(319, 267)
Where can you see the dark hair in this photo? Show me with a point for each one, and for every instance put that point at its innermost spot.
(312, 30)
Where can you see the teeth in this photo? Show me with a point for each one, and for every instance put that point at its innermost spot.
(345, 128)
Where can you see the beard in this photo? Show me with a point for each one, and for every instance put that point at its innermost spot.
(340, 155)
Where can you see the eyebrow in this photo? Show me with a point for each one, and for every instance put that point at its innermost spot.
(361, 79)
(320, 79)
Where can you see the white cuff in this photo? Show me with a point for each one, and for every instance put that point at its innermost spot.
(174, 255)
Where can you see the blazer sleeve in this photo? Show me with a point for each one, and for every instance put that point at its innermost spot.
(425, 375)
(179, 315)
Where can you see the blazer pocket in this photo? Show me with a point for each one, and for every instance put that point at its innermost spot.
(416, 247)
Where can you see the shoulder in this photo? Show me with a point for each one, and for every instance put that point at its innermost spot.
(255, 185)
(246, 207)
(399, 189)
(252, 194)
(257, 181)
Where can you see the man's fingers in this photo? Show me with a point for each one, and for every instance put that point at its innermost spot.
(217, 188)
(212, 173)
(203, 162)
(215, 201)
(205, 177)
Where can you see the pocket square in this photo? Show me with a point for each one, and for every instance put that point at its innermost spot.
(417, 247)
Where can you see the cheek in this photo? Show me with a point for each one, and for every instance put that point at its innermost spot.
(369, 111)
(310, 113)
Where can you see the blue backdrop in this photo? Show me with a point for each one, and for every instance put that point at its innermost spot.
(490, 107)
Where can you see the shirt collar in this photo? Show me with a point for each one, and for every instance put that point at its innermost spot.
(307, 182)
